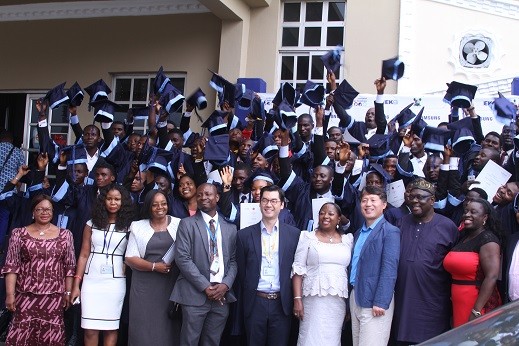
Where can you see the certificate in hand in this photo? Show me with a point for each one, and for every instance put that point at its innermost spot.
(250, 214)
(395, 193)
(491, 177)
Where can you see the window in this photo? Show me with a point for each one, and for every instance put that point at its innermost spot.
(134, 90)
(309, 30)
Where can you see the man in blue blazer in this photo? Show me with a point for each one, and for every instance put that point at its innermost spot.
(373, 271)
(265, 253)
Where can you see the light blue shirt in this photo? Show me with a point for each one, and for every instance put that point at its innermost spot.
(269, 271)
(364, 234)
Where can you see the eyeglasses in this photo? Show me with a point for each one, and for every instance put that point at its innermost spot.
(43, 210)
(266, 201)
(420, 198)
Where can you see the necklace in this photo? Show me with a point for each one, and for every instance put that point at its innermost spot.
(330, 237)
(160, 228)
(42, 231)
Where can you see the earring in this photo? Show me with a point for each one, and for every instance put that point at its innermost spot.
(484, 222)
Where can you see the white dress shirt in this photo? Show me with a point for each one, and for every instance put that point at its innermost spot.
(218, 277)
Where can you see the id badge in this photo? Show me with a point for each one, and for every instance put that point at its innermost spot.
(106, 269)
(215, 266)
(268, 271)
(62, 221)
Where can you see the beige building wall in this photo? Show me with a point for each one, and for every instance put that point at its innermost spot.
(38, 55)
(371, 35)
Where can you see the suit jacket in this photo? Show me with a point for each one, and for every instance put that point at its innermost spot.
(192, 259)
(378, 266)
(248, 255)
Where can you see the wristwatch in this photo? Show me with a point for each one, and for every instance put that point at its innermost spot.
(227, 187)
(476, 313)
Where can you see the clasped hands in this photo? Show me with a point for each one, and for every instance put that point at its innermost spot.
(217, 292)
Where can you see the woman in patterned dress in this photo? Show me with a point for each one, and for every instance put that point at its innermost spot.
(38, 273)
(101, 267)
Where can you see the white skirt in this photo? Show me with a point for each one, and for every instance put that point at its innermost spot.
(322, 321)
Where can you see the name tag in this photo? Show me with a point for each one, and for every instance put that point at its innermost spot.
(107, 269)
(268, 271)
(215, 266)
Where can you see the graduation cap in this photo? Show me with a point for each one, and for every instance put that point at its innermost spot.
(197, 99)
(259, 174)
(505, 110)
(245, 102)
(171, 99)
(392, 68)
(379, 146)
(332, 59)
(435, 138)
(140, 112)
(75, 154)
(215, 123)
(377, 167)
(266, 146)
(239, 90)
(463, 137)
(217, 149)
(157, 159)
(460, 95)
(348, 138)
(313, 94)
(225, 89)
(258, 108)
(75, 95)
(160, 81)
(418, 124)
(98, 91)
(104, 110)
(287, 92)
(285, 116)
(406, 116)
(344, 95)
(56, 96)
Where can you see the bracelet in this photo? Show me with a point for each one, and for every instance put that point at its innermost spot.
(15, 178)
(78, 277)
(153, 267)
(67, 293)
(298, 297)
(476, 313)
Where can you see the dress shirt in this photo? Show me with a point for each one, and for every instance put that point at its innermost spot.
(513, 275)
(364, 234)
(218, 277)
(92, 160)
(269, 259)
(328, 194)
(418, 165)
(370, 133)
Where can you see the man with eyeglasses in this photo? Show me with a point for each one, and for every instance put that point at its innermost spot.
(422, 291)
(265, 253)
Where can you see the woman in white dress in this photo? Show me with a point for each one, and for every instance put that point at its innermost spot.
(101, 266)
(320, 279)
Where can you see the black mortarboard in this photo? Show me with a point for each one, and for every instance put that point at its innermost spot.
(98, 91)
(393, 68)
(197, 99)
(75, 154)
(460, 95)
(463, 137)
(217, 148)
(239, 91)
(285, 116)
(56, 96)
(104, 110)
(348, 138)
(332, 59)
(378, 146)
(258, 108)
(75, 95)
(418, 124)
(225, 89)
(160, 81)
(156, 159)
(140, 113)
(504, 108)
(313, 94)
(266, 146)
(405, 117)
(245, 102)
(435, 138)
(259, 174)
(344, 95)
(377, 167)
(215, 123)
(286, 91)
(171, 99)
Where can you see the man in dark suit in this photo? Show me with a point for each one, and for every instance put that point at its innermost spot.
(205, 254)
(510, 282)
(265, 253)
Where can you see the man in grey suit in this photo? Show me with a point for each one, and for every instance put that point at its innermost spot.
(205, 254)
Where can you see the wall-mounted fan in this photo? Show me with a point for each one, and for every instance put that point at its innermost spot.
(475, 52)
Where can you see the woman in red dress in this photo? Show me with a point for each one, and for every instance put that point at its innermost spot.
(474, 263)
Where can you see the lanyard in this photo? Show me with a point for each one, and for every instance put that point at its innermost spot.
(213, 236)
(272, 245)
(105, 246)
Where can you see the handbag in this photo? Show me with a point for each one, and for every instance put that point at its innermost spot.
(5, 319)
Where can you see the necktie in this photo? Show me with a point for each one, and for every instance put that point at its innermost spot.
(504, 157)
(243, 198)
(212, 243)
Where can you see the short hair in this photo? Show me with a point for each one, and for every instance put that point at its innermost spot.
(93, 126)
(482, 193)
(495, 134)
(148, 201)
(333, 128)
(117, 122)
(38, 199)
(273, 188)
(335, 205)
(6, 136)
(102, 163)
(329, 140)
(305, 115)
(443, 123)
(328, 168)
(176, 131)
(374, 190)
(242, 166)
(390, 156)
